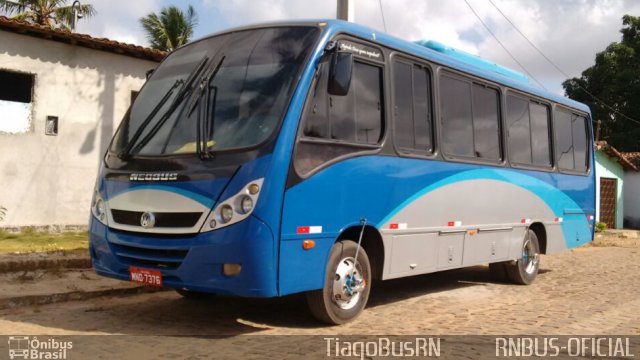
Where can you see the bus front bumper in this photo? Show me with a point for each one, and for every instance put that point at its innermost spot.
(193, 262)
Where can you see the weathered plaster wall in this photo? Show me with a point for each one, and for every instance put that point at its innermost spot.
(48, 180)
(632, 199)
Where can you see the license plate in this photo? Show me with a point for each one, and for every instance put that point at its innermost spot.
(146, 276)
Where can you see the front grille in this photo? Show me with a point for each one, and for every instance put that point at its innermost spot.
(157, 258)
(163, 219)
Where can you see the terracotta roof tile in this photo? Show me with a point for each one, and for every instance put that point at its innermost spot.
(103, 44)
(622, 158)
(633, 157)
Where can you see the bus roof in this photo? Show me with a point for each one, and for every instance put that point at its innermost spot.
(455, 59)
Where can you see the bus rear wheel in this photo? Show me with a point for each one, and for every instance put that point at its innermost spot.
(346, 288)
(525, 270)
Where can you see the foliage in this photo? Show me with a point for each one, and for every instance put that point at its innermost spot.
(600, 226)
(51, 13)
(171, 29)
(614, 79)
(3, 212)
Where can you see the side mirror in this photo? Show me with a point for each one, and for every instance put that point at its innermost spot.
(340, 71)
(149, 73)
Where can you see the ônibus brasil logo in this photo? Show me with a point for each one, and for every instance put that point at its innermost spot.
(25, 347)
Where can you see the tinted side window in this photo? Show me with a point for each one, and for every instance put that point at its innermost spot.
(342, 120)
(457, 126)
(518, 130)
(422, 108)
(564, 139)
(367, 84)
(579, 130)
(540, 149)
(403, 105)
(572, 141)
(528, 132)
(470, 119)
(412, 110)
(486, 122)
(355, 117)
(317, 123)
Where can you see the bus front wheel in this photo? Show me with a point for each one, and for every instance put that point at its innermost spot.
(346, 288)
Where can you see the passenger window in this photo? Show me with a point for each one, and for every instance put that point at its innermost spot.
(564, 140)
(518, 132)
(486, 122)
(571, 141)
(355, 117)
(470, 119)
(528, 132)
(579, 127)
(368, 103)
(412, 110)
(457, 130)
(540, 149)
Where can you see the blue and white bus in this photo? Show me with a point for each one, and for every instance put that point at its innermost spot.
(314, 157)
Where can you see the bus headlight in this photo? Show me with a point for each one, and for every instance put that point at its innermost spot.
(246, 204)
(226, 213)
(99, 208)
(235, 208)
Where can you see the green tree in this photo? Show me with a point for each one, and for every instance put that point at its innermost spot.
(171, 29)
(614, 79)
(51, 13)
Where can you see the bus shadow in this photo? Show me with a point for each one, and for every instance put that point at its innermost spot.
(168, 314)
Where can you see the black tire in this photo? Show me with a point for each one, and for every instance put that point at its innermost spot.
(498, 272)
(194, 295)
(523, 272)
(322, 303)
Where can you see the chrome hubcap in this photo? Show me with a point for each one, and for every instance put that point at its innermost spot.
(348, 284)
(530, 257)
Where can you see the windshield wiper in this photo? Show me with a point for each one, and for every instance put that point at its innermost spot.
(184, 89)
(203, 124)
(146, 121)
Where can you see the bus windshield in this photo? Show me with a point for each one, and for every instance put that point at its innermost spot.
(243, 80)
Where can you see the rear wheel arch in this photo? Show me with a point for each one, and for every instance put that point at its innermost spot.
(371, 242)
(541, 233)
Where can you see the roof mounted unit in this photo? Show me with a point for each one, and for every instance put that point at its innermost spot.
(474, 60)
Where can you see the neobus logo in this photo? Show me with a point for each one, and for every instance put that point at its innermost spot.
(154, 177)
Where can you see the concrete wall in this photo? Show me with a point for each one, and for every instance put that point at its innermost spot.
(49, 180)
(632, 199)
(607, 167)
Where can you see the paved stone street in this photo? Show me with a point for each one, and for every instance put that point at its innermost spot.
(590, 290)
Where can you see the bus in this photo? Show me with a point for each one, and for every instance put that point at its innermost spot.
(317, 156)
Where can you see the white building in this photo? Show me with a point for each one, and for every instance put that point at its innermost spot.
(62, 95)
(632, 192)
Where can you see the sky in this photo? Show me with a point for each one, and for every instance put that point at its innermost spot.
(569, 32)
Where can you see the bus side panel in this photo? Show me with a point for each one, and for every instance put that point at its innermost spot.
(410, 196)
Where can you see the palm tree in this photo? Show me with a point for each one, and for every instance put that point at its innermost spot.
(51, 13)
(172, 29)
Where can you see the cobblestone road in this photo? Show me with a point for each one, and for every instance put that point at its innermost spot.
(591, 290)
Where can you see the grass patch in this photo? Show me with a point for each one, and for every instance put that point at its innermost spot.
(29, 241)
